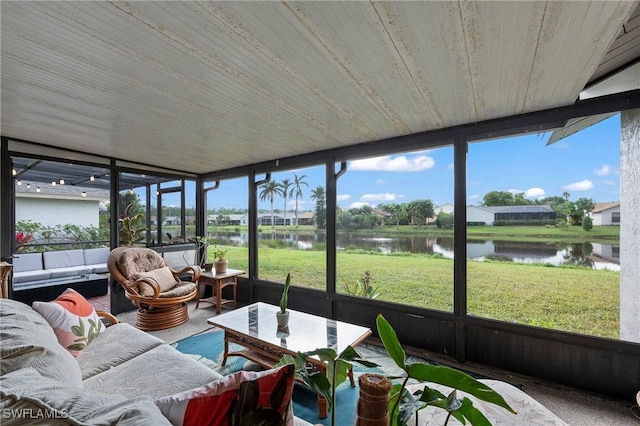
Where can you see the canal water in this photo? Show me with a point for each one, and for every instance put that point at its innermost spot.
(593, 255)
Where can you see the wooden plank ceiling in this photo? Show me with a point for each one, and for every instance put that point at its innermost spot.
(205, 86)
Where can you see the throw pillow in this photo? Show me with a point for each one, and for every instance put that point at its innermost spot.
(73, 319)
(162, 276)
(242, 398)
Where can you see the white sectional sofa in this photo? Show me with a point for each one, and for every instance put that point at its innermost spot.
(43, 276)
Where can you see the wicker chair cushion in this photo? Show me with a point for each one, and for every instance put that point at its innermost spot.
(181, 289)
(139, 259)
(162, 276)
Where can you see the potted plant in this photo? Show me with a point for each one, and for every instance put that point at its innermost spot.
(221, 263)
(402, 403)
(282, 315)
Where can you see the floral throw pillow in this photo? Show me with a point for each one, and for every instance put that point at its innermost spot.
(242, 398)
(73, 320)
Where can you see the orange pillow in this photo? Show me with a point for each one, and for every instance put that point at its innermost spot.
(73, 319)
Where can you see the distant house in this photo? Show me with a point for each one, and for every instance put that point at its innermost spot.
(306, 218)
(606, 213)
(444, 208)
(489, 214)
(228, 219)
(59, 205)
(479, 214)
(171, 220)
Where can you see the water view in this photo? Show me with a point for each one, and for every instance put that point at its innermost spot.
(593, 255)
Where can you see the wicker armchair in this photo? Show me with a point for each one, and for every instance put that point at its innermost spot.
(156, 289)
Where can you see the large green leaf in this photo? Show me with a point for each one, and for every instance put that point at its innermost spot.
(475, 416)
(458, 380)
(390, 341)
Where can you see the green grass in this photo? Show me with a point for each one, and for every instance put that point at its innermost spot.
(564, 298)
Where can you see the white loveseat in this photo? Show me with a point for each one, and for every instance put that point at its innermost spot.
(114, 380)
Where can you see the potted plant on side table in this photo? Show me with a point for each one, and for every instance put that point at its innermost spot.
(282, 315)
(221, 263)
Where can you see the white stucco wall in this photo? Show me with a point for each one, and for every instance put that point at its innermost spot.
(605, 217)
(477, 214)
(630, 226)
(52, 212)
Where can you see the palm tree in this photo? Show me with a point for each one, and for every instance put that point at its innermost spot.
(318, 196)
(284, 191)
(298, 181)
(269, 190)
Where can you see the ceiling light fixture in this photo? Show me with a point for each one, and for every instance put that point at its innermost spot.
(61, 181)
(84, 194)
(38, 189)
(53, 183)
(28, 186)
(13, 172)
(19, 182)
(92, 178)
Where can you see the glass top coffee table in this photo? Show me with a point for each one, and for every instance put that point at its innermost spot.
(255, 328)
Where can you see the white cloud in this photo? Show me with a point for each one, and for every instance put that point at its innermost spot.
(401, 163)
(603, 171)
(343, 197)
(379, 182)
(357, 205)
(380, 197)
(609, 182)
(474, 197)
(535, 192)
(450, 166)
(583, 185)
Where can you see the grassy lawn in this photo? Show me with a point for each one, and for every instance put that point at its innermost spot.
(571, 299)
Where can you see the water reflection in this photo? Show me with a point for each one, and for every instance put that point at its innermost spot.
(592, 255)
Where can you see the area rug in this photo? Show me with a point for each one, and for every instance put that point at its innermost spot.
(208, 347)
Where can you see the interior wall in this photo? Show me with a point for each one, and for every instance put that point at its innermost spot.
(630, 226)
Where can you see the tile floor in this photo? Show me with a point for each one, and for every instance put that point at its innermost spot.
(101, 303)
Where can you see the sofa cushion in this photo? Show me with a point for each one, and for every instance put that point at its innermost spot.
(24, 262)
(96, 259)
(26, 276)
(240, 398)
(29, 341)
(28, 394)
(96, 255)
(158, 372)
(69, 271)
(162, 276)
(99, 356)
(63, 258)
(73, 319)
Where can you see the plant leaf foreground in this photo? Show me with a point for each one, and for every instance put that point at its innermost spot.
(402, 404)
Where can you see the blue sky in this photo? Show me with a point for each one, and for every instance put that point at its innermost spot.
(585, 164)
